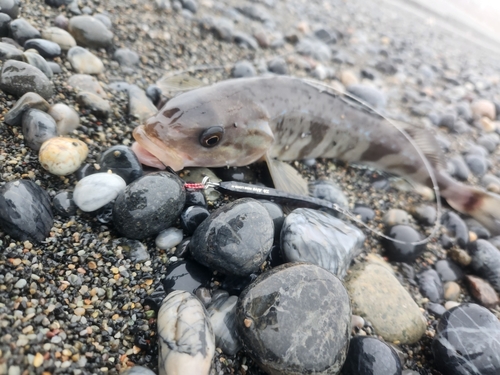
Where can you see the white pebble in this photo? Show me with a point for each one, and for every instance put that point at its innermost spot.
(67, 119)
(169, 238)
(97, 190)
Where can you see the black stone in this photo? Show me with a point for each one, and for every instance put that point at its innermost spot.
(371, 356)
(57, 3)
(240, 174)
(85, 170)
(25, 211)
(38, 127)
(122, 161)
(186, 275)
(182, 249)
(467, 342)
(46, 48)
(195, 198)
(477, 228)
(460, 169)
(397, 252)
(148, 205)
(327, 190)
(278, 65)
(449, 270)
(431, 285)
(4, 25)
(276, 212)
(21, 31)
(154, 93)
(486, 262)
(236, 239)
(18, 78)
(192, 217)
(105, 214)
(456, 228)
(63, 204)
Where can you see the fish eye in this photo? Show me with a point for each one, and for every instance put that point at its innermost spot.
(211, 137)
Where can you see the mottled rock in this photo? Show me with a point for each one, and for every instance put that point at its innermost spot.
(21, 31)
(61, 37)
(90, 32)
(97, 190)
(94, 103)
(27, 101)
(132, 249)
(431, 285)
(169, 238)
(67, 119)
(329, 191)
(406, 252)
(84, 61)
(4, 25)
(10, 52)
(37, 127)
(62, 156)
(222, 314)
(122, 161)
(18, 78)
(38, 62)
(45, 48)
(192, 217)
(486, 261)
(186, 275)
(63, 204)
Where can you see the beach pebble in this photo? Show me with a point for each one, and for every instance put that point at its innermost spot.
(62, 156)
(66, 118)
(395, 216)
(154, 93)
(467, 341)
(459, 170)
(37, 127)
(278, 65)
(243, 69)
(276, 213)
(378, 297)
(55, 67)
(483, 108)
(24, 103)
(25, 211)
(45, 48)
(486, 261)
(316, 49)
(186, 343)
(451, 291)
(295, 319)
(235, 239)
(449, 270)
(169, 238)
(90, 32)
(482, 292)
(138, 370)
(222, 314)
(34, 80)
(425, 214)
(435, 309)
(139, 105)
(11, 8)
(61, 37)
(431, 285)
(61, 20)
(39, 62)
(97, 190)
(398, 252)
(368, 94)
(192, 217)
(126, 57)
(86, 82)
(21, 31)
(327, 190)
(63, 204)
(4, 24)
(84, 61)
(122, 161)
(148, 205)
(94, 103)
(10, 52)
(245, 40)
(371, 356)
(456, 228)
(132, 249)
(186, 275)
(105, 20)
(321, 239)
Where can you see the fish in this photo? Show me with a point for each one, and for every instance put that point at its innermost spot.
(279, 119)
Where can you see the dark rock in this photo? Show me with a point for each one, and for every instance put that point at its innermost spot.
(295, 319)
(105, 214)
(326, 36)
(186, 275)
(425, 215)
(477, 228)
(18, 78)
(182, 249)
(449, 270)
(57, 3)
(195, 198)
(4, 25)
(148, 205)
(386, 67)
(63, 204)
(456, 228)
(126, 57)
(408, 252)
(488, 141)
(85, 170)
(25, 211)
(192, 217)
(222, 313)
(276, 213)
(34, 59)
(278, 65)
(240, 174)
(477, 164)
(190, 5)
(38, 126)
(371, 356)
(236, 239)
(431, 286)
(45, 48)
(245, 40)
(486, 261)
(94, 103)
(21, 31)
(448, 121)
(90, 32)
(365, 213)
(10, 8)
(27, 101)
(460, 171)
(255, 12)
(436, 309)
(154, 93)
(122, 161)
(10, 52)
(368, 94)
(467, 341)
(132, 249)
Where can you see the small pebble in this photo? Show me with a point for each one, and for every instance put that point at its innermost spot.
(37, 127)
(90, 32)
(34, 80)
(67, 119)
(59, 36)
(21, 31)
(97, 190)
(45, 48)
(29, 100)
(84, 61)
(62, 156)
(169, 238)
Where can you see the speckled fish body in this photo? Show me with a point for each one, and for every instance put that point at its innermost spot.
(286, 118)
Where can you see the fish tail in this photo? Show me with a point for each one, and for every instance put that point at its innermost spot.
(481, 205)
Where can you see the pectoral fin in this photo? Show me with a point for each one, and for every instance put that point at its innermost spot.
(286, 178)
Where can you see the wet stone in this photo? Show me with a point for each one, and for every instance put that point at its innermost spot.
(90, 32)
(222, 314)
(192, 217)
(94, 103)
(319, 238)
(37, 127)
(486, 261)
(407, 252)
(63, 204)
(186, 275)
(105, 214)
(97, 190)
(378, 297)
(365, 213)
(122, 161)
(39, 62)
(21, 31)
(371, 356)
(61, 37)
(18, 78)
(243, 69)
(235, 239)
(295, 319)
(148, 205)
(132, 249)
(276, 213)
(45, 48)
(435, 309)
(84, 61)
(10, 8)
(368, 94)
(467, 341)
(195, 198)
(241, 174)
(66, 118)
(482, 292)
(4, 25)
(10, 52)
(29, 100)
(154, 93)
(327, 190)
(25, 211)
(169, 238)
(431, 285)
(448, 270)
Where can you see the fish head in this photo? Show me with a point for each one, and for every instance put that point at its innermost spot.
(200, 136)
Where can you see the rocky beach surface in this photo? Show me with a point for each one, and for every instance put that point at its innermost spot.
(110, 266)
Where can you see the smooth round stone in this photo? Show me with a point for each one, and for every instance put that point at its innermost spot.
(368, 94)
(451, 291)
(321, 239)
(18, 78)
(104, 20)
(460, 169)
(61, 37)
(97, 190)
(477, 228)
(21, 31)
(37, 127)
(90, 32)
(295, 319)
(186, 275)
(62, 156)
(84, 61)
(39, 62)
(241, 174)
(278, 65)
(63, 204)
(154, 93)
(105, 213)
(424, 214)
(431, 285)
(397, 252)
(486, 261)
(378, 297)
(195, 198)
(25, 211)
(138, 370)
(482, 292)
(192, 217)
(169, 238)
(55, 67)
(45, 48)
(10, 52)
(132, 249)
(276, 212)
(436, 309)
(222, 314)
(327, 190)
(243, 69)
(477, 164)
(236, 239)
(122, 161)
(365, 213)
(371, 356)
(448, 270)
(61, 20)
(94, 103)
(148, 205)
(29, 100)
(10, 7)
(316, 49)
(126, 57)
(396, 216)
(119, 86)
(66, 118)
(139, 105)
(85, 82)
(4, 25)
(467, 341)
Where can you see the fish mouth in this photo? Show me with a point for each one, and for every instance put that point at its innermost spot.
(165, 154)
